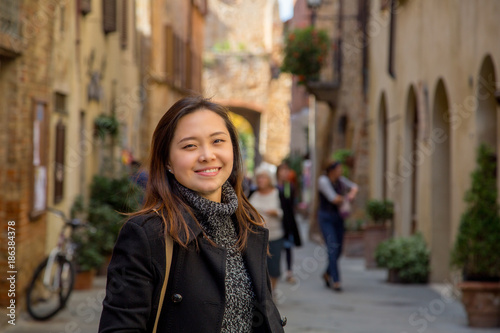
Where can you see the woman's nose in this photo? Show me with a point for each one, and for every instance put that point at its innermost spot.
(207, 154)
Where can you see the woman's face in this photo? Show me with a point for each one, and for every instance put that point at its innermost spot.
(201, 153)
(283, 173)
(334, 174)
(263, 181)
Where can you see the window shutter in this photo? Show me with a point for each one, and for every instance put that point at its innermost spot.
(169, 52)
(109, 16)
(85, 6)
(189, 66)
(59, 165)
(124, 25)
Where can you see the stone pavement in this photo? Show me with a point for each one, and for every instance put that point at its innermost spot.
(367, 304)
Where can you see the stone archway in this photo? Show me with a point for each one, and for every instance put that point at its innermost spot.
(381, 179)
(411, 162)
(253, 117)
(441, 185)
(486, 115)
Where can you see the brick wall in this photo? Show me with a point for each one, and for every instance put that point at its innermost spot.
(23, 78)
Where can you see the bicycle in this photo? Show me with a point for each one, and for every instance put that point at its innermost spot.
(54, 278)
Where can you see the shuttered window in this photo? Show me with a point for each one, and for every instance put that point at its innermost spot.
(60, 103)
(109, 16)
(188, 72)
(85, 6)
(124, 25)
(169, 52)
(59, 162)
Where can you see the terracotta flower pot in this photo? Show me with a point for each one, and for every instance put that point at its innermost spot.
(354, 245)
(482, 303)
(84, 280)
(373, 236)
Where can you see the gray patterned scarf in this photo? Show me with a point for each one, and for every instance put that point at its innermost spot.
(215, 218)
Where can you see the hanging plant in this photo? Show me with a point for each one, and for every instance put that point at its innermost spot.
(106, 125)
(305, 53)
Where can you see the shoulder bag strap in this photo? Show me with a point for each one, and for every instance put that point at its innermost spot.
(169, 249)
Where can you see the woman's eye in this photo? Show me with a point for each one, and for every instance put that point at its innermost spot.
(219, 140)
(188, 146)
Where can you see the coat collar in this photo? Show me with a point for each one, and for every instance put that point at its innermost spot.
(196, 230)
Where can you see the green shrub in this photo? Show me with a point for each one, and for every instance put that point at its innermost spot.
(409, 256)
(88, 254)
(106, 125)
(380, 210)
(109, 198)
(477, 246)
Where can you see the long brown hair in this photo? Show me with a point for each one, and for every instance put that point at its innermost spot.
(161, 194)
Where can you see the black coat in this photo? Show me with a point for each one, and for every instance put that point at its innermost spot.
(289, 223)
(195, 297)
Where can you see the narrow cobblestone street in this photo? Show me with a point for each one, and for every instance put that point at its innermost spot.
(366, 304)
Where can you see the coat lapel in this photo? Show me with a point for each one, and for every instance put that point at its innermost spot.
(255, 258)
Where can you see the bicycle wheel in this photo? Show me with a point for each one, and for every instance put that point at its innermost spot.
(50, 288)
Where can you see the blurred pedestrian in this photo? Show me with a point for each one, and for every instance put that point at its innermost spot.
(287, 198)
(138, 175)
(333, 190)
(217, 278)
(266, 200)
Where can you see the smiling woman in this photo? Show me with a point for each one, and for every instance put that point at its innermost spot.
(194, 197)
(201, 153)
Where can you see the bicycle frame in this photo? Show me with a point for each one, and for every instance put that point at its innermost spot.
(58, 250)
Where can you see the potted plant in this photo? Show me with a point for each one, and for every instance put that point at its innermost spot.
(106, 125)
(305, 53)
(406, 258)
(109, 199)
(87, 257)
(380, 211)
(346, 157)
(477, 247)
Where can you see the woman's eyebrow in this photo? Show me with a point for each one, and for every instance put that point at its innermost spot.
(195, 138)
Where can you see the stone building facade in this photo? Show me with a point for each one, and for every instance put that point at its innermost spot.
(241, 70)
(433, 99)
(171, 38)
(25, 56)
(62, 64)
(338, 109)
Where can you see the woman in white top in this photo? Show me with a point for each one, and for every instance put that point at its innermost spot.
(266, 201)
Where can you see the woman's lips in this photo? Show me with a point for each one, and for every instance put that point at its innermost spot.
(208, 171)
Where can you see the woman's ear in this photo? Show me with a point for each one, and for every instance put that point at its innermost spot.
(169, 168)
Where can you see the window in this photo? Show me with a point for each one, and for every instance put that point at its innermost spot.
(124, 25)
(60, 103)
(40, 133)
(85, 6)
(109, 16)
(189, 68)
(59, 162)
(169, 52)
(392, 34)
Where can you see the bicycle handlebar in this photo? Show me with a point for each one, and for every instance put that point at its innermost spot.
(71, 222)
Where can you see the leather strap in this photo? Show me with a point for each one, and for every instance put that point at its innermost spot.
(169, 249)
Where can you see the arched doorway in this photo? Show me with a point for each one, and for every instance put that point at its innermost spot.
(246, 138)
(441, 184)
(486, 115)
(251, 117)
(409, 165)
(381, 159)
